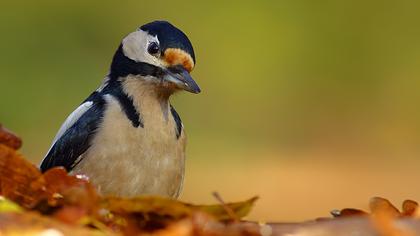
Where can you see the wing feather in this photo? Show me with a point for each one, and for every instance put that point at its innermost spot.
(75, 135)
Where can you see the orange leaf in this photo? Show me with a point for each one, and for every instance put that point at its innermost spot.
(20, 181)
(409, 207)
(63, 188)
(346, 212)
(9, 139)
(380, 205)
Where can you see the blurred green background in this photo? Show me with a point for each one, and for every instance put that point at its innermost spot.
(312, 105)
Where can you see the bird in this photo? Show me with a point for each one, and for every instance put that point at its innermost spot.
(126, 137)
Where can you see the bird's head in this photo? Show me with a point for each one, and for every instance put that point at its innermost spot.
(158, 53)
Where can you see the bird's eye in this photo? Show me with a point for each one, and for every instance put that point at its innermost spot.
(153, 48)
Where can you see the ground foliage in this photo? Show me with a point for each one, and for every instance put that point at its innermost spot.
(55, 203)
(33, 201)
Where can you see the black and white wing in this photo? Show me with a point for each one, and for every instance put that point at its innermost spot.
(75, 135)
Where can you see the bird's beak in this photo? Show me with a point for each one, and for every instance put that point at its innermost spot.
(181, 78)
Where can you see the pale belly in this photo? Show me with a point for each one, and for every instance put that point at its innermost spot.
(127, 161)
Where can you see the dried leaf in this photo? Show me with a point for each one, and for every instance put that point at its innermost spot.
(71, 190)
(384, 222)
(241, 209)
(9, 139)
(346, 212)
(173, 208)
(204, 225)
(23, 183)
(31, 223)
(409, 208)
(72, 215)
(380, 205)
(147, 204)
(20, 181)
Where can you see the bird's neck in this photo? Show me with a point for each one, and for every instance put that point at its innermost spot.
(147, 96)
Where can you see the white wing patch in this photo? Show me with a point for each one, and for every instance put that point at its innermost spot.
(71, 119)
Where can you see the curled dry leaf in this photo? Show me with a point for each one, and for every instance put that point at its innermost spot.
(70, 190)
(383, 216)
(23, 183)
(32, 223)
(20, 181)
(240, 209)
(9, 139)
(173, 208)
(380, 205)
(384, 221)
(150, 213)
(409, 208)
(346, 212)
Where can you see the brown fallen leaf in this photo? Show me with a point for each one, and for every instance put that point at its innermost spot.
(346, 212)
(20, 181)
(23, 183)
(32, 223)
(241, 209)
(173, 208)
(384, 215)
(384, 221)
(9, 139)
(63, 188)
(382, 206)
(409, 208)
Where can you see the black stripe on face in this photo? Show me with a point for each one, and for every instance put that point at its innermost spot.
(114, 88)
(123, 66)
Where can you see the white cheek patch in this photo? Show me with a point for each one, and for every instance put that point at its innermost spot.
(132, 45)
(135, 47)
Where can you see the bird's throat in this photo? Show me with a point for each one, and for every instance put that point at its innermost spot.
(148, 97)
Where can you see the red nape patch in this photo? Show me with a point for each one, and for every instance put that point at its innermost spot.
(176, 56)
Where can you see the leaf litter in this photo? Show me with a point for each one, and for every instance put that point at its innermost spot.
(32, 200)
(56, 203)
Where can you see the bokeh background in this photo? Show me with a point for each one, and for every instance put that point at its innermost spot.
(312, 105)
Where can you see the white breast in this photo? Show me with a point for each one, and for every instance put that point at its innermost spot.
(127, 161)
